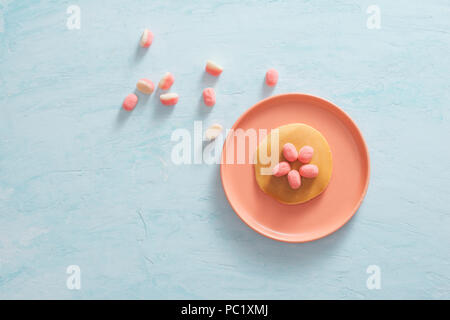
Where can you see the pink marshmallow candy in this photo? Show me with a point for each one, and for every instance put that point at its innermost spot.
(290, 152)
(305, 154)
(166, 81)
(294, 179)
(213, 68)
(271, 77)
(169, 99)
(309, 171)
(146, 39)
(209, 97)
(130, 102)
(281, 169)
(145, 86)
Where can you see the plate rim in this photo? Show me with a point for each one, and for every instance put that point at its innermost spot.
(338, 110)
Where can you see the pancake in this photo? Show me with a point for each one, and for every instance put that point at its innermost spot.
(299, 135)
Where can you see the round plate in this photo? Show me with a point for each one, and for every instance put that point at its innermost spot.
(320, 216)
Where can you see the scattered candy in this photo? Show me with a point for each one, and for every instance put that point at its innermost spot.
(146, 39)
(130, 102)
(145, 86)
(169, 99)
(281, 169)
(209, 97)
(213, 131)
(290, 152)
(309, 171)
(213, 68)
(166, 81)
(294, 179)
(271, 77)
(305, 154)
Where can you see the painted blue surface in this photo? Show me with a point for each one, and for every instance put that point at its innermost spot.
(81, 183)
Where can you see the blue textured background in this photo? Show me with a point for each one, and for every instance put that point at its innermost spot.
(82, 183)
